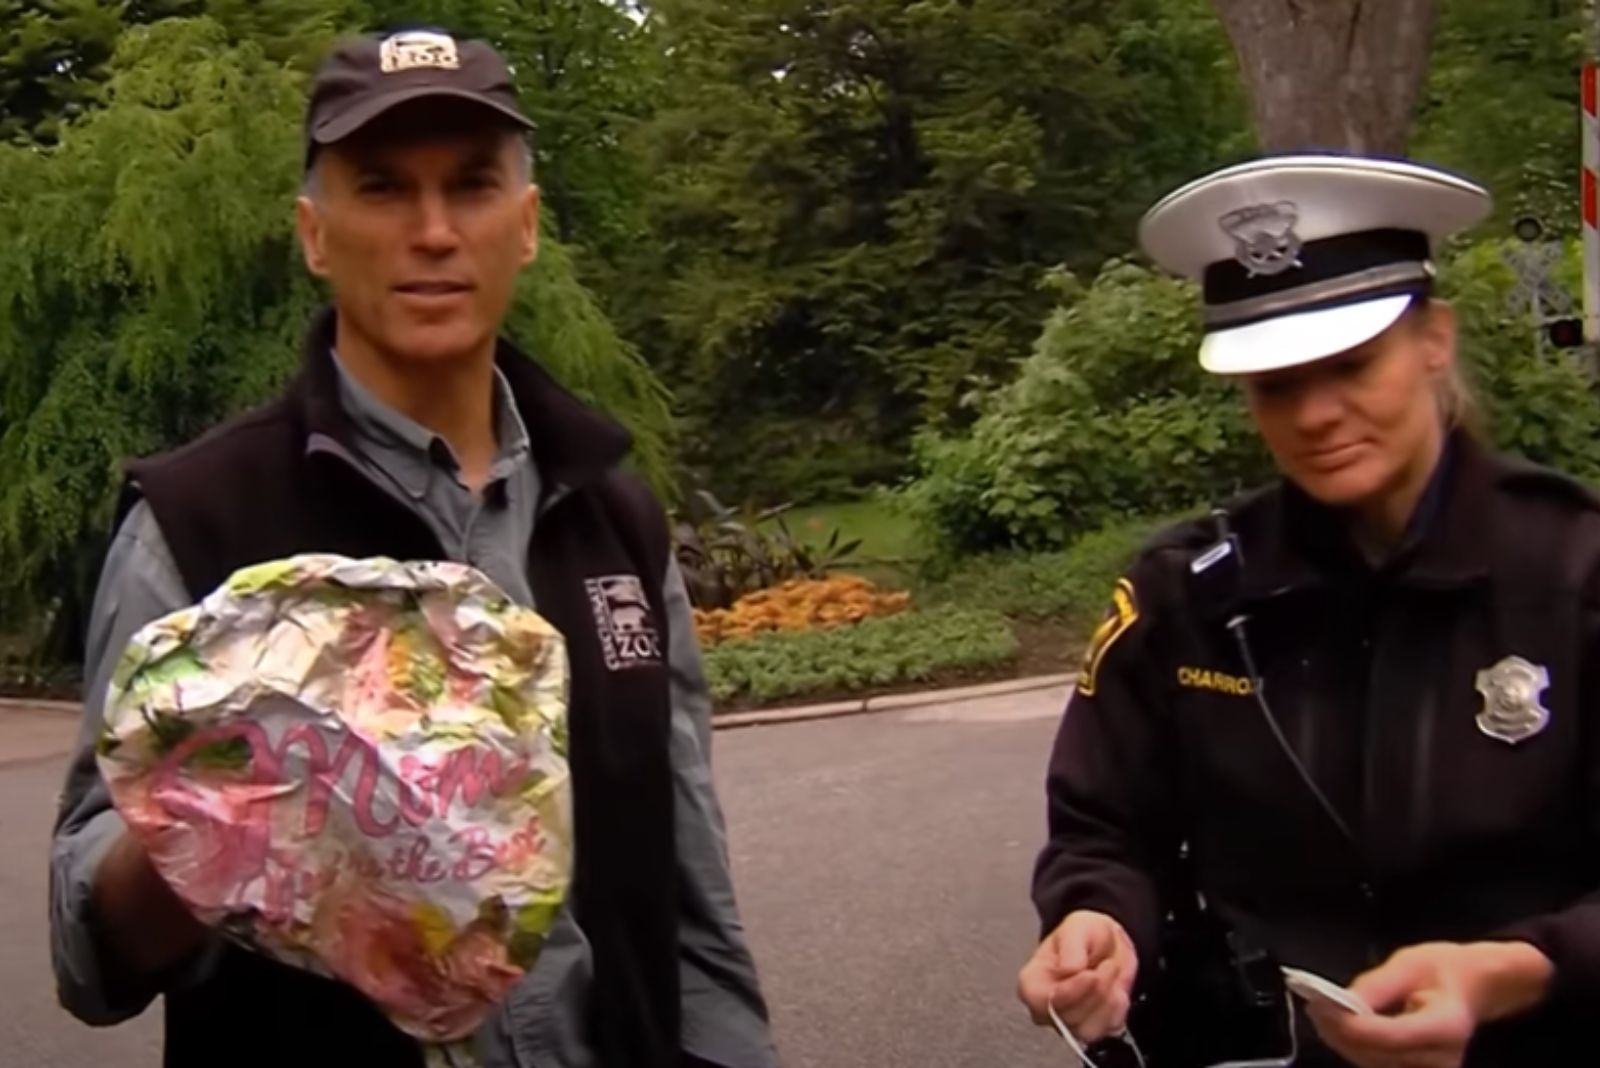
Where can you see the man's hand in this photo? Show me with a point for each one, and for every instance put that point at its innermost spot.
(1086, 969)
(1431, 999)
(145, 924)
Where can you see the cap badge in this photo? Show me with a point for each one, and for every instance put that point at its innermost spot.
(1511, 709)
(419, 49)
(1264, 236)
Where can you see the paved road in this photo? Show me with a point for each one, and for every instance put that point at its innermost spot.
(882, 864)
(33, 1030)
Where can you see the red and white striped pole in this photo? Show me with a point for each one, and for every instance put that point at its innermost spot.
(1591, 204)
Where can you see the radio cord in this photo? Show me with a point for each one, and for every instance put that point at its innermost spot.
(1258, 687)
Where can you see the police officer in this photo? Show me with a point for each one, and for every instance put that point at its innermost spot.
(1353, 719)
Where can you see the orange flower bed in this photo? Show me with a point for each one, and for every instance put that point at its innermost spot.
(799, 604)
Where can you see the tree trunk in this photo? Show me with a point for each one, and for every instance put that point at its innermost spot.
(1343, 75)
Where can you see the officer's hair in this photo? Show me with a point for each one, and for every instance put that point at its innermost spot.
(311, 182)
(1458, 402)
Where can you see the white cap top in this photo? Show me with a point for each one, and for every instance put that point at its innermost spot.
(1304, 257)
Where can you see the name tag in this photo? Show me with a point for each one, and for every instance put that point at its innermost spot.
(1193, 678)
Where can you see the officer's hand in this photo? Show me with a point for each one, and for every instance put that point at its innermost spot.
(1086, 969)
(1430, 999)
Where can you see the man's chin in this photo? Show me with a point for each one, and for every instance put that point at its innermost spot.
(443, 343)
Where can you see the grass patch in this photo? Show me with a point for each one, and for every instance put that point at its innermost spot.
(886, 532)
(873, 654)
(1070, 586)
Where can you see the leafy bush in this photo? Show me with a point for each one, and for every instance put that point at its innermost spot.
(1545, 409)
(1070, 585)
(877, 652)
(1110, 416)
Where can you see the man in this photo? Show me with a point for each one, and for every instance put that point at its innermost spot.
(412, 432)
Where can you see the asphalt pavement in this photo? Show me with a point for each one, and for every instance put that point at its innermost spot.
(34, 1031)
(882, 865)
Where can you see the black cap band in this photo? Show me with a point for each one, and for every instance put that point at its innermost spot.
(1328, 272)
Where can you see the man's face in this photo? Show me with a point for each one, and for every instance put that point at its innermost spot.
(421, 236)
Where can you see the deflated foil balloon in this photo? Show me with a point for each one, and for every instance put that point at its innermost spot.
(357, 767)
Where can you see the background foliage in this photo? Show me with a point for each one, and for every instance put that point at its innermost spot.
(1543, 408)
(853, 203)
(1110, 416)
(1501, 103)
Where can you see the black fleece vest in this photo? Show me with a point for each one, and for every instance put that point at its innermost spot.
(251, 491)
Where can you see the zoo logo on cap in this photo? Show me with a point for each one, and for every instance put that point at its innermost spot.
(628, 635)
(419, 49)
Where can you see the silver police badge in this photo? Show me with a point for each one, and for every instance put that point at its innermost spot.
(1511, 709)
(1264, 238)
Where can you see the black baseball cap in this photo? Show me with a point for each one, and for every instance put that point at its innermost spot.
(366, 76)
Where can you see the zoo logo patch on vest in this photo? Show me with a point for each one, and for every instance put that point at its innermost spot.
(628, 635)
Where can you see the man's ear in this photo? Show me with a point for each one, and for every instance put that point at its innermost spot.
(308, 223)
(530, 225)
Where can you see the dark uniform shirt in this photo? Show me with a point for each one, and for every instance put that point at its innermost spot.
(1376, 677)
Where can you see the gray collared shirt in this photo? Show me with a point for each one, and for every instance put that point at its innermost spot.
(489, 529)
(542, 1024)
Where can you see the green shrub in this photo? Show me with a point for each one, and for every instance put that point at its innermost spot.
(877, 652)
(1110, 416)
(1544, 409)
(1070, 585)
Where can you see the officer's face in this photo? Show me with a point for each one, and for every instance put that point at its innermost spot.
(421, 239)
(1356, 428)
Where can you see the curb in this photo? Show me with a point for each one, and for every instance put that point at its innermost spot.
(763, 717)
(17, 704)
(889, 703)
